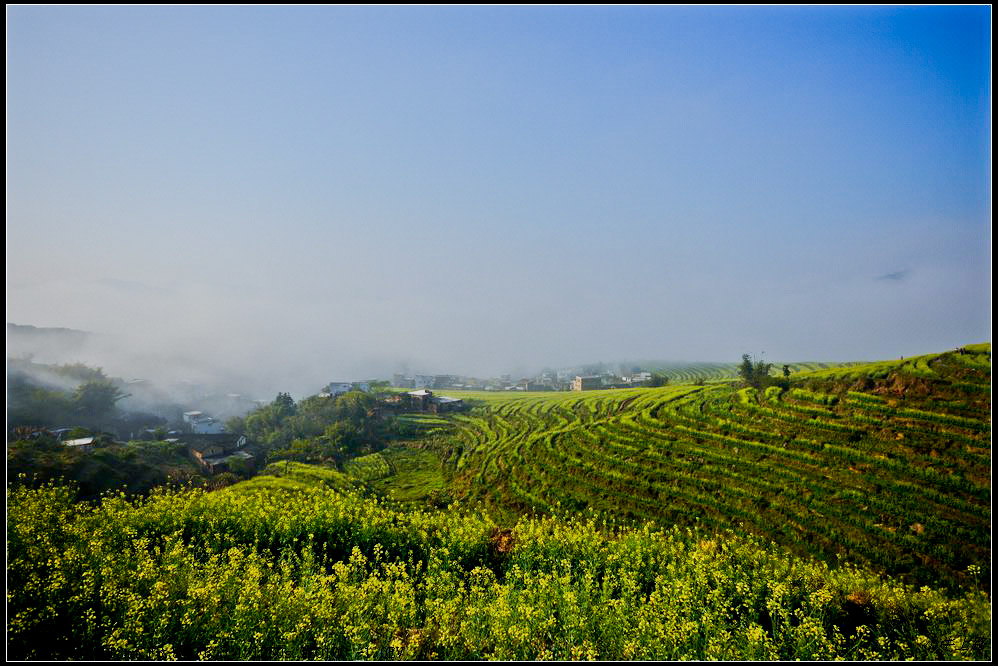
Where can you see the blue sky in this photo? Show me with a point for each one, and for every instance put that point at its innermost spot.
(329, 191)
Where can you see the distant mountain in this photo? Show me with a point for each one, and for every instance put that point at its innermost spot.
(49, 344)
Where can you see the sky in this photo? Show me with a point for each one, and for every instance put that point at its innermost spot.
(300, 195)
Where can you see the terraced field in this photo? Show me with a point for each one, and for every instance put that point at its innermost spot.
(399, 473)
(885, 464)
(692, 372)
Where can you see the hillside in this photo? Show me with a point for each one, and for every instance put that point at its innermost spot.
(679, 372)
(55, 345)
(885, 464)
(134, 466)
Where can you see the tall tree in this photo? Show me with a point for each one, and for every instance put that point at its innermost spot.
(95, 401)
(745, 370)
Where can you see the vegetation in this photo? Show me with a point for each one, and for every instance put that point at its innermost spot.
(319, 429)
(32, 402)
(137, 466)
(895, 476)
(658, 379)
(688, 373)
(414, 476)
(757, 374)
(46, 397)
(301, 571)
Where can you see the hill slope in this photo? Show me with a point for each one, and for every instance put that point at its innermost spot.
(885, 464)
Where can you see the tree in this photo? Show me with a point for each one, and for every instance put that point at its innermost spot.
(95, 400)
(755, 374)
(761, 374)
(284, 405)
(658, 379)
(745, 370)
(236, 425)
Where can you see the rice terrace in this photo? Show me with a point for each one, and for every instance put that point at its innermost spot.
(886, 464)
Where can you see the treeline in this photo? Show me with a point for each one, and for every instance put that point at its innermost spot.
(758, 374)
(135, 467)
(50, 396)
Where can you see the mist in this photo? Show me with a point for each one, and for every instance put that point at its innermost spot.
(262, 199)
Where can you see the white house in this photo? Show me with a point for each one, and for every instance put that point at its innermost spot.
(83, 443)
(203, 425)
(208, 426)
(336, 388)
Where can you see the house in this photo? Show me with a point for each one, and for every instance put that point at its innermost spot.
(85, 444)
(334, 389)
(201, 424)
(534, 385)
(420, 400)
(423, 381)
(444, 381)
(445, 403)
(640, 379)
(587, 382)
(214, 451)
(423, 400)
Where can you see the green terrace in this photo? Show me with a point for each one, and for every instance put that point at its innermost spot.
(895, 476)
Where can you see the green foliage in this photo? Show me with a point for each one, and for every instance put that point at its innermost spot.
(284, 405)
(236, 425)
(270, 574)
(320, 429)
(299, 476)
(79, 372)
(33, 402)
(368, 468)
(757, 374)
(689, 373)
(970, 358)
(95, 401)
(138, 466)
(31, 405)
(746, 370)
(77, 433)
(887, 471)
(283, 421)
(658, 379)
(416, 476)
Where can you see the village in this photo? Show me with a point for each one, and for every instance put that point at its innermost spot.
(562, 380)
(208, 442)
